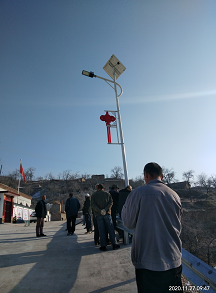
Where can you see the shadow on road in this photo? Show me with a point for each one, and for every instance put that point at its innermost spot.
(53, 269)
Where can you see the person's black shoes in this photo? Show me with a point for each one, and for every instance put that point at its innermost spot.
(103, 248)
(41, 235)
(70, 233)
(38, 235)
(108, 242)
(116, 246)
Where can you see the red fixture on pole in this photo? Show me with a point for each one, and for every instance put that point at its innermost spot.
(108, 119)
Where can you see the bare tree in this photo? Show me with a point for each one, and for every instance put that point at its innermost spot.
(213, 181)
(169, 175)
(66, 175)
(75, 176)
(188, 176)
(15, 174)
(86, 176)
(205, 182)
(29, 173)
(116, 172)
(49, 176)
(11, 179)
(138, 181)
(59, 176)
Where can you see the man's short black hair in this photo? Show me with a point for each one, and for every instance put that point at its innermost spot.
(71, 194)
(100, 186)
(153, 169)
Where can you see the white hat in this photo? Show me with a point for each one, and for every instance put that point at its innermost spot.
(87, 195)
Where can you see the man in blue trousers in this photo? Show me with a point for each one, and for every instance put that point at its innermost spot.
(101, 204)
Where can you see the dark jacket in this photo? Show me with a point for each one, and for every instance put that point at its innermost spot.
(86, 207)
(115, 198)
(101, 200)
(123, 194)
(40, 209)
(72, 207)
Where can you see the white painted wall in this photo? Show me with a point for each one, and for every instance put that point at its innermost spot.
(22, 200)
(22, 212)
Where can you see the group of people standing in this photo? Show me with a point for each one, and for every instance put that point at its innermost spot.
(152, 210)
(104, 207)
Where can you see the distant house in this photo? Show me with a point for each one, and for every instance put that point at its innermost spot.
(185, 185)
(81, 180)
(57, 211)
(98, 178)
(13, 204)
(108, 182)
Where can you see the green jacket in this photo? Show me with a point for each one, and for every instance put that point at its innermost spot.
(101, 200)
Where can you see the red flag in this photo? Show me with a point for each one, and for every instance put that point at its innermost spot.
(22, 172)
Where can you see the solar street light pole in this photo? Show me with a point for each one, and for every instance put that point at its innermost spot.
(91, 74)
(121, 133)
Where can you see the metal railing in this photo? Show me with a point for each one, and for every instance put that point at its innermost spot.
(198, 273)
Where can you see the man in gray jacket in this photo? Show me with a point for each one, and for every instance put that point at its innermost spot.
(154, 212)
(101, 202)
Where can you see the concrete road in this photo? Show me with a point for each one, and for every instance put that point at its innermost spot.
(59, 263)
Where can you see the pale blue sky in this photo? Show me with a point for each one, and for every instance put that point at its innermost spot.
(50, 112)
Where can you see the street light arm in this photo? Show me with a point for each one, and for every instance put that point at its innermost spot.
(91, 74)
(109, 80)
